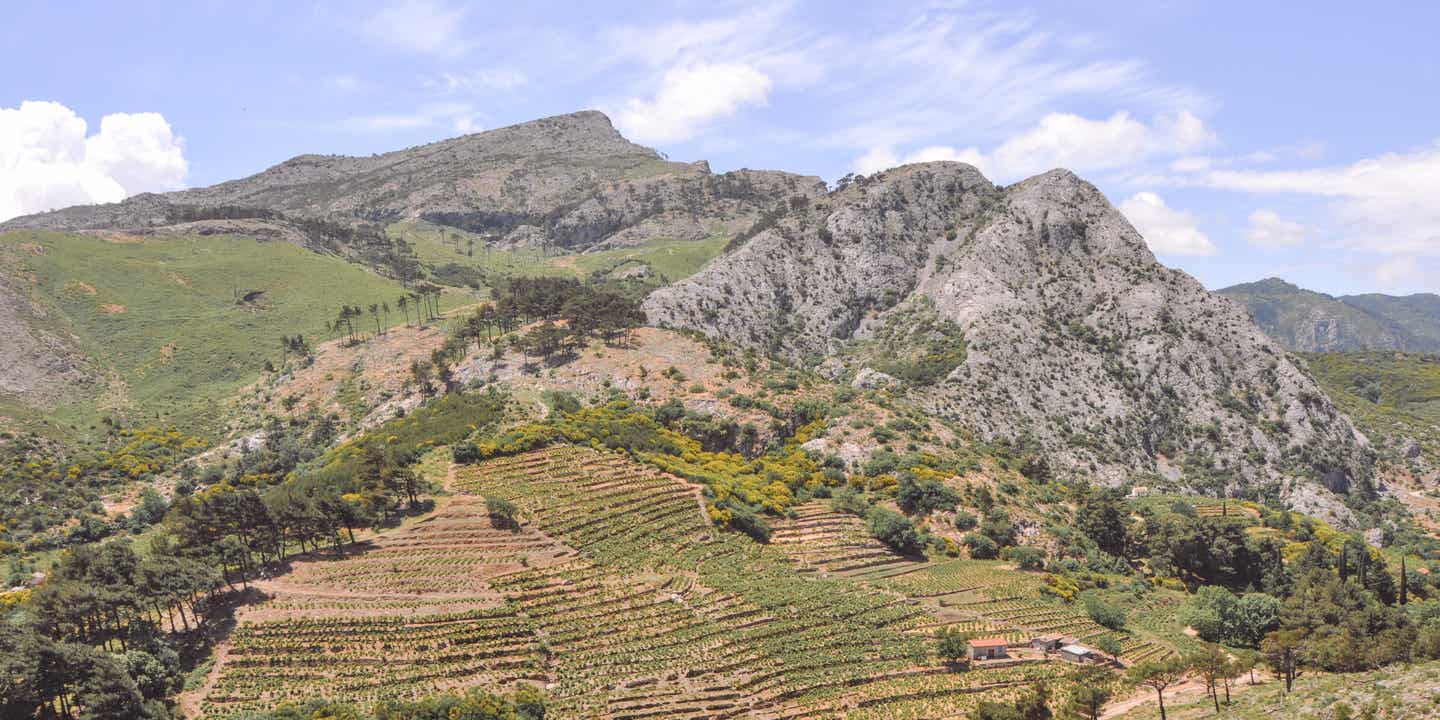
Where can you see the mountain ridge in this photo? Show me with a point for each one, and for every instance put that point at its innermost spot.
(1077, 338)
(1033, 313)
(569, 181)
(1307, 321)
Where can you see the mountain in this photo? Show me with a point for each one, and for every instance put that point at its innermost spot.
(1074, 337)
(570, 182)
(1308, 321)
(1032, 315)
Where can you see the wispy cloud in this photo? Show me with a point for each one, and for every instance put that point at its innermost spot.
(426, 27)
(1268, 229)
(1166, 230)
(1384, 204)
(691, 97)
(454, 117)
(1068, 141)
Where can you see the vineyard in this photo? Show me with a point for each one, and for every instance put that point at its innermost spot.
(708, 624)
(619, 597)
(819, 539)
(412, 614)
(996, 599)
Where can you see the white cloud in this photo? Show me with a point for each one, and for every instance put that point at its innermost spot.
(1069, 141)
(984, 75)
(423, 27)
(1384, 204)
(1268, 229)
(488, 79)
(466, 125)
(344, 84)
(47, 162)
(691, 97)
(1167, 231)
(1397, 271)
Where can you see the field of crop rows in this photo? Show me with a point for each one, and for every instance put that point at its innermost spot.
(619, 597)
(662, 617)
(414, 613)
(819, 539)
(1000, 600)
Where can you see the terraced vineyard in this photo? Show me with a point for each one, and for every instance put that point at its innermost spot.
(819, 539)
(414, 613)
(729, 627)
(997, 599)
(620, 598)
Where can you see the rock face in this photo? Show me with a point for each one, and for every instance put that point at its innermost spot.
(568, 182)
(1307, 321)
(1076, 338)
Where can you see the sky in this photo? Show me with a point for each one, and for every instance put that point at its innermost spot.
(1244, 140)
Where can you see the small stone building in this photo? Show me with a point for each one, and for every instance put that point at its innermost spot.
(988, 648)
(1048, 643)
(1078, 654)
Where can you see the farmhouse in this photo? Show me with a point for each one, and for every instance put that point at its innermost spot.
(988, 648)
(1078, 654)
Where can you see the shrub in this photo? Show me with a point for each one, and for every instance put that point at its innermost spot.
(1026, 557)
(1103, 612)
(919, 496)
(894, 530)
(966, 521)
(952, 646)
(847, 500)
(981, 547)
(745, 520)
(502, 512)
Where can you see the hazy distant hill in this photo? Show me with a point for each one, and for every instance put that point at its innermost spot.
(1308, 321)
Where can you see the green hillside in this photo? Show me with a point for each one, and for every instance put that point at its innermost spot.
(176, 325)
(1392, 396)
(456, 257)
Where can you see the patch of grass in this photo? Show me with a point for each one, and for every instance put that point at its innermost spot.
(440, 247)
(669, 260)
(169, 319)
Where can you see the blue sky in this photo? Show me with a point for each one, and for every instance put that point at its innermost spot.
(1243, 139)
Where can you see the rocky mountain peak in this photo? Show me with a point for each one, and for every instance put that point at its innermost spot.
(1071, 335)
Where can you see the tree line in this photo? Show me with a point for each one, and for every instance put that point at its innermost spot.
(99, 638)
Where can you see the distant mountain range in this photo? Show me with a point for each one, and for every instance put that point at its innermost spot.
(1308, 321)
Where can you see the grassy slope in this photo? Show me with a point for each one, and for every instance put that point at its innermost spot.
(182, 343)
(1396, 692)
(668, 259)
(1408, 402)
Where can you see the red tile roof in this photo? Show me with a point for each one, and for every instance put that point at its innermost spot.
(988, 642)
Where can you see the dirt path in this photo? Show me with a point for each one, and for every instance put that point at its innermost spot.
(190, 700)
(1187, 691)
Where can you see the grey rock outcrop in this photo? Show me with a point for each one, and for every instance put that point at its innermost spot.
(1076, 337)
(870, 379)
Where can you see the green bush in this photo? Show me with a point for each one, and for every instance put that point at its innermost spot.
(1026, 557)
(1103, 612)
(920, 496)
(981, 547)
(894, 530)
(966, 521)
